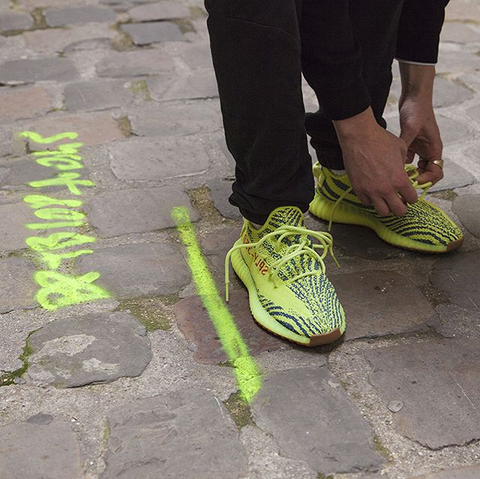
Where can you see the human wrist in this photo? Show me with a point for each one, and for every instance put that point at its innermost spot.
(417, 81)
(356, 126)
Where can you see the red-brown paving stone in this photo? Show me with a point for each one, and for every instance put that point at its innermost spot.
(16, 103)
(92, 128)
(195, 324)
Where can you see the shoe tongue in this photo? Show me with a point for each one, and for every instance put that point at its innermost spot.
(286, 215)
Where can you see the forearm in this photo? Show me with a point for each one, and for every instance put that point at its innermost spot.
(417, 82)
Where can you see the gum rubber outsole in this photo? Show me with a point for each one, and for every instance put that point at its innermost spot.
(323, 209)
(269, 323)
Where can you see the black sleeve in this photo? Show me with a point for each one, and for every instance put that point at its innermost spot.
(332, 59)
(419, 30)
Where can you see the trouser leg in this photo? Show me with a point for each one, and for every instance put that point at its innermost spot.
(375, 23)
(257, 59)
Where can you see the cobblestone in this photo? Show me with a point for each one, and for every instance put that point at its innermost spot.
(202, 334)
(11, 21)
(463, 473)
(164, 10)
(189, 435)
(30, 71)
(157, 159)
(18, 289)
(133, 64)
(82, 350)
(97, 95)
(59, 40)
(13, 218)
(53, 451)
(175, 119)
(135, 211)
(129, 271)
(453, 278)
(315, 422)
(375, 304)
(436, 382)
(467, 208)
(23, 103)
(153, 32)
(57, 17)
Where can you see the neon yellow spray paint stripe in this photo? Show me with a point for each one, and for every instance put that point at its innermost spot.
(247, 372)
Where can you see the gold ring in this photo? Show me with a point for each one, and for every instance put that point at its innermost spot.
(439, 162)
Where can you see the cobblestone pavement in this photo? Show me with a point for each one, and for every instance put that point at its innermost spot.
(110, 367)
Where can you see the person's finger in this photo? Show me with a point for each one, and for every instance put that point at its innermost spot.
(433, 176)
(408, 193)
(410, 156)
(381, 207)
(396, 205)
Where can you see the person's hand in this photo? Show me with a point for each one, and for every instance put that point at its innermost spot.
(375, 163)
(419, 128)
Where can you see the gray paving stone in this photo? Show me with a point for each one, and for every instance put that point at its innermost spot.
(17, 103)
(158, 159)
(375, 305)
(17, 288)
(199, 84)
(31, 71)
(315, 422)
(456, 277)
(455, 177)
(80, 350)
(459, 32)
(115, 213)
(220, 190)
(22, 172)
(449, 93)
(462, 473)
(456, 60)
(97, 95)
(164, 10)
(349, 240)
(197, 55)
(133, 64)
(13, 233)
(467, 208)
(455, 322)
(175, 119)
(129, 271)
(53, 451)
(58, 40)
(10, 21)
(57, 17)
(176, 436)
(438, 383)
(153, 32)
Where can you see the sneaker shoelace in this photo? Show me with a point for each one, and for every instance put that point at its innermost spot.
(412, 173)
(303, 246)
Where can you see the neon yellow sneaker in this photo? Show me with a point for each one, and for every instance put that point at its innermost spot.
(425, 227)
(284, 272)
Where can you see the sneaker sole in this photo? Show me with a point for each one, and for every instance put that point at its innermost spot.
(269, 323)
(348, 214)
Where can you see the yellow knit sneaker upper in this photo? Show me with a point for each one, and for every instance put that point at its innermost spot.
(425, 227)
(284, 271)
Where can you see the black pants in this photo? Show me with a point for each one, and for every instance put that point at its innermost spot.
(256, 48)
